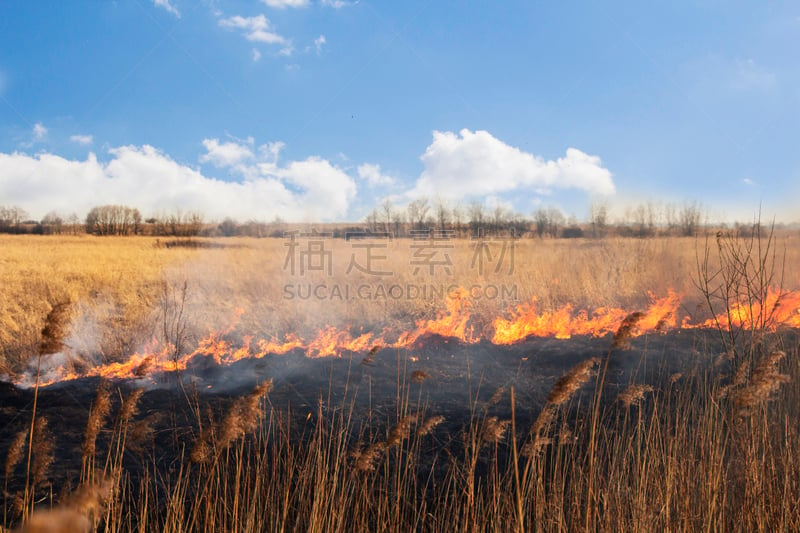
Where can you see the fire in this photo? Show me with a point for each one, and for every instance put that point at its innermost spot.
(332, 341)
(781, 308)
(563, 323)
(454, 323)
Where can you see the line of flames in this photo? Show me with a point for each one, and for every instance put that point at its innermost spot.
(781, 308)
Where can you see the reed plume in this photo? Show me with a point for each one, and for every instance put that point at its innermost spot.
(626, 330)
(571, 382)
(365, 459)
(101, 407)
(55, 329)
(130, 406)
(634, 394)
(766, 380)
(563, 390)
(242, 418)
(15, 452)
(74, 514)
(497, 396)
(400, 431)
(565, 436)
(494, 429)
(536, 446)
(140, 432)
(201, 450)
(43, 445)
(429, 425)
(543, 420)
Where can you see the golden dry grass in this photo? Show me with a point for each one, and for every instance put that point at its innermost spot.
(121, 289)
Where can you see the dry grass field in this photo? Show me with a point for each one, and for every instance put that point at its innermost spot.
(121, 289)
(713, 446)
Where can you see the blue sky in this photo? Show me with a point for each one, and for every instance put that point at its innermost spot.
(310, 109)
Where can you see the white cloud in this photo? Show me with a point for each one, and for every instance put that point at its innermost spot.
(319, 42)
(271, 150)
(255, 29)
(476, 164)
(748, 181)
(167, 6)
(39, 132)
(337, 4)
(256, 55)
(81, 139)
(144, 177)
(283, 4)
(226, 154)
(372, 174)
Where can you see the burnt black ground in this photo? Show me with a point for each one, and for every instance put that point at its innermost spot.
(461, 379)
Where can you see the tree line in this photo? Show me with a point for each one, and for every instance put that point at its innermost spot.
(419, 216)
(643, 220)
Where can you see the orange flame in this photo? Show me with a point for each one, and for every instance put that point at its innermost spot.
(781, 308)
(526, 320)
(453, 323)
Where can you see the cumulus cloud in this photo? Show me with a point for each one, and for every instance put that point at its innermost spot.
(283, 4)
(227, 153)
(81, 139)
(256, 55)
(255, 29)
(476, 164)
(145, 177)
(164, 4)
(372, 174)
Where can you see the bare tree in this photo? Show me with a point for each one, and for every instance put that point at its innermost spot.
(670, 217)
(52, 223)
(638, 217)
(178, 223)
(499, 217)
(442, 214)
(373, 219)
(398, 220)
(74, 223)
(476, 218)
(689, 217)
(387, 210)
(11, 218)
(555, 219)
(457, 214)
(113, 220)
(652, 217)
(418, 212)
(228, 227)
(598, 218)
(541, 220)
